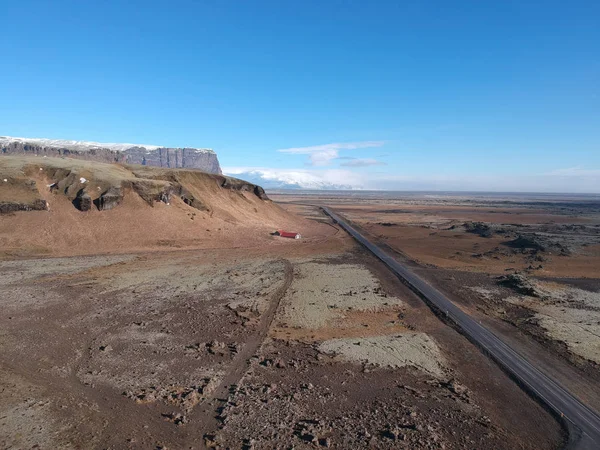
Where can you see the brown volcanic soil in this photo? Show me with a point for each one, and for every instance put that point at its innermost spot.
(435, 213)
(460, 250)
(559, 327)
(229, 218)
(430, 231)
(135, 226)
(188, 349)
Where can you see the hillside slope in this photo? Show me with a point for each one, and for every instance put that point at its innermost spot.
(152, 155)
(63, 206)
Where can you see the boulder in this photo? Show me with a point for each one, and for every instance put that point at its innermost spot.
(260, 193)
(479, 228)
(83, 201)
(109, 199)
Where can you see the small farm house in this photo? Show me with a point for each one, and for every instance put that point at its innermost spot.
(287, 234)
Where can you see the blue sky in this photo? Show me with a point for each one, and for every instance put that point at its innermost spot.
(397, 95)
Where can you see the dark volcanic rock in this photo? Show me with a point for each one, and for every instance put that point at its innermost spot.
(528, 241)
(109, 199)
(153, 190)
(479, 228)
(539, 243)
(107, 192)
(36, 205)
(260, 193)
(83, 201)
(520, 284)
(190, 200)
(236, 184)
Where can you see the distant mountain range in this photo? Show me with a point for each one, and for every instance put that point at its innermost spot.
(286, 179)
(204, 159)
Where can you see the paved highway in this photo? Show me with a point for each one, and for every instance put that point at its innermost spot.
(582, 423)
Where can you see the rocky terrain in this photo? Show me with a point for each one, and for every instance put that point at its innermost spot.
(151, 155)
(527, 267)
(189, 325)
(103, 186)
(221, 348)
(64, 206)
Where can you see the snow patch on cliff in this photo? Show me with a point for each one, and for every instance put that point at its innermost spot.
(86, 145)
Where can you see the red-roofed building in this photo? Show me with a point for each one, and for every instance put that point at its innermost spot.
(288, 234)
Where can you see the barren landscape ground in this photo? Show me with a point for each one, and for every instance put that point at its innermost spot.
(298, 344)
(243, 348)
(245, 277)
(156, 325)
(527, 266)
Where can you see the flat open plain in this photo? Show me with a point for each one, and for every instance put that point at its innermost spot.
(527, 266)
(300, 344)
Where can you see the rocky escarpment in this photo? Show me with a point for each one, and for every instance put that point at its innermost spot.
(67, 206)
(186, 158)
(150, 155)
(36, 205)
(95, 185)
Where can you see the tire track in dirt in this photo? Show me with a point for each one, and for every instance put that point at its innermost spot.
(205, 416)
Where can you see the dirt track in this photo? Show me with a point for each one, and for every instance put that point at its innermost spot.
(216, 400)
(170, 350)
(274, 344)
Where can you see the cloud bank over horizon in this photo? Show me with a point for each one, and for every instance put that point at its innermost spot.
(339, 166)
(568, 180)
(270, 178)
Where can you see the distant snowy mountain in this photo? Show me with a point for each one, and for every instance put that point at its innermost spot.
(286, 179)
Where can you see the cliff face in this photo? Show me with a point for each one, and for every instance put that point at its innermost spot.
(188, 158)
(174, 158)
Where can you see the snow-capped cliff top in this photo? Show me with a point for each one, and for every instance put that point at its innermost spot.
(86, 146)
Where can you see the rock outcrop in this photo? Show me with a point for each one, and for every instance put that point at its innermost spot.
(109, 199)
(236, 184)
(480, 228)
(192, 158)
(190, 200)
(22, 195)
(520, 284)
(83, 201)
(9, 207)
(90, 207)
(88, 185)
(539, 243)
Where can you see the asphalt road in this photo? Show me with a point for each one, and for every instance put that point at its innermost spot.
(582, 423)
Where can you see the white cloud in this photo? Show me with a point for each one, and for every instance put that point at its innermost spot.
(362, 162)
(297, 178)
(570, 180)
(322, 155)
